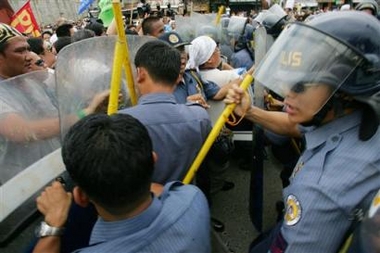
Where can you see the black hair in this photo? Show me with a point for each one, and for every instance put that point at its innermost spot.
(163, 62)
(110, 158)
(147, 24)
(46, 32)
(36, 45)
(98, 28)
(64, 30)
(61, 43)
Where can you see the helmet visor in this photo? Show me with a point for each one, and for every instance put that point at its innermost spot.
(303, 57)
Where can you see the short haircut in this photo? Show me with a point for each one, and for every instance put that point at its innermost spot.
(36, 45)
(147, 24)
(64, 30)
(162, 61)
(46, 32)
(61, 43)
(110, 158)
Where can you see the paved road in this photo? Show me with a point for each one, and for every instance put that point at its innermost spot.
(231, 207)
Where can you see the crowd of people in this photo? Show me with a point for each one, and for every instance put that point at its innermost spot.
(126, 169)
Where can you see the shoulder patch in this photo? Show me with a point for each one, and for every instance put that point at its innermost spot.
(375, 206)
(293, 211)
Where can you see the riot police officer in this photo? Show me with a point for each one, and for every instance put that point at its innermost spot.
(332, 94)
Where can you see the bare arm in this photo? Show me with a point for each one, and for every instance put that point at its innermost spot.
(18, 129)
(54, 203)
(221, 94)
(49, 244)
(277, 122)
(112, 29)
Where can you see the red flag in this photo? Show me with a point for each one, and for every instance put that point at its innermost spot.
(24, 21)
(6, 12)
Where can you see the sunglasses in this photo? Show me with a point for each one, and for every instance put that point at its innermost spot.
(301, 87)
(39, 63)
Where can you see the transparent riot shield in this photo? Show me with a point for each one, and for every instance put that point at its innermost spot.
(205, 25)
(84, 69)
(185, 28)
(263, 42)
(257, 188)
(29, 139)
(278, 10)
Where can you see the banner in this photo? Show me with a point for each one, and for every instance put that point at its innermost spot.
(84, 4)
(6, 12)
(24, 21)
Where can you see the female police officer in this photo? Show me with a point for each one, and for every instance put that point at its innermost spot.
(330, 80)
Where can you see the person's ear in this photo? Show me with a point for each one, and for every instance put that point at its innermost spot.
(141, 74)
(155, 156)
(80, 197)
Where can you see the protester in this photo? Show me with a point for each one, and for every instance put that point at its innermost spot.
(44, 49)
(37, 62)
(152, 26)
(29, 123)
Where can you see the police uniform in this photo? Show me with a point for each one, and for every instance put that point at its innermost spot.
(336, 175)
(170, 126)
(192, 84)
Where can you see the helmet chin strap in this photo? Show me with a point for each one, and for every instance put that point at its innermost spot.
(370, 113)
(320, 115)
(336, 103)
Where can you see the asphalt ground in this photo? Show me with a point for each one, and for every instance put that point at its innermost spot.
(232, 207)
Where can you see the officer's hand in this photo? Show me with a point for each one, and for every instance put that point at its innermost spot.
(199, 99)
(54, 203)
(237, 95)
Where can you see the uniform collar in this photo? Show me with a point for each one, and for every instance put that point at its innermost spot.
(319, 135)
(154, 98)
(105, 231)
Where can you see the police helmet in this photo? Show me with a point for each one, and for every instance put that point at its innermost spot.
(273, 24)
(244, 40)
(368, 4)
(317, 52)
(248, 32)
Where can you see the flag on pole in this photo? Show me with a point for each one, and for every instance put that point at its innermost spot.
(24, 21)
(6, 12)
(84, 4)
(106, 12)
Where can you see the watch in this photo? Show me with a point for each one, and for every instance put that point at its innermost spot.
(45, 229)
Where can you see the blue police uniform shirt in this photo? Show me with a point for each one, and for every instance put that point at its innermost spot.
(242, 59)
(177, 221)
(336, 174)
(177, 132)
(189, 86)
